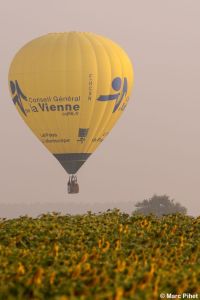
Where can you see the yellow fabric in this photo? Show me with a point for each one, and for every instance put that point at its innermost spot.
(57, 81)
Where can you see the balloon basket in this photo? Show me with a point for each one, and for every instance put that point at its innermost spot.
(73, 187)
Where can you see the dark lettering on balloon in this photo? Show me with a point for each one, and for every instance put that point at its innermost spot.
(82, 134)
(118, 97)
(18, 95)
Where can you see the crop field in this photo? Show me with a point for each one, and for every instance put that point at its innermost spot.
(109, 255)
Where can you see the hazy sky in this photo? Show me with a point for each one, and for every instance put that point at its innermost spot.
(155, 146)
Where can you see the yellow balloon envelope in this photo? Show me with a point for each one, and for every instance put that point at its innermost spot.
(70, 89)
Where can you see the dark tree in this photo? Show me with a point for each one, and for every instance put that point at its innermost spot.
(159, 205)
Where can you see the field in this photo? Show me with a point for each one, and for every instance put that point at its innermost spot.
(109, 255)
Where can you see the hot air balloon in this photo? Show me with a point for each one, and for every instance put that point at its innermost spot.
(70, 88)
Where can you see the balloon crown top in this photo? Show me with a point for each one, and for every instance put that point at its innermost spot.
(67, 32)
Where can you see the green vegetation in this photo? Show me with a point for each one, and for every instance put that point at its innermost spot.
(159, 206)
(109, 255)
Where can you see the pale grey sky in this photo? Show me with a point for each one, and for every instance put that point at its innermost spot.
(154, 148)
